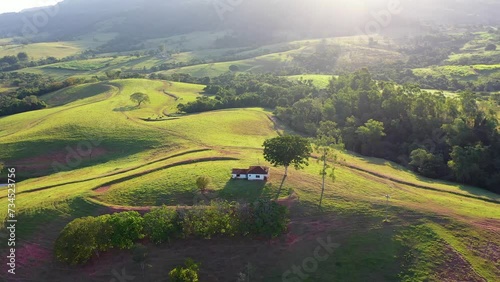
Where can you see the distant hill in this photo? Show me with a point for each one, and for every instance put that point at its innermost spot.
(255, 21)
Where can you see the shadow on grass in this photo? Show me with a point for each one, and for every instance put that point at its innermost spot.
(158, 120)
(125, 109)
(56, 217)
(248, 191)
(184, 198)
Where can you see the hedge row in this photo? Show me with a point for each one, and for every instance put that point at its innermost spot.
(84, 237)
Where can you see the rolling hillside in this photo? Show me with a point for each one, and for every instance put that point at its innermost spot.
(93, 152)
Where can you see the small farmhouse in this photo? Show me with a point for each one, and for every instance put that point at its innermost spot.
(253, 173)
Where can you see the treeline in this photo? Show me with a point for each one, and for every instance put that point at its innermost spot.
(431, 49)
(439, 137)
(400, 73)
(22, 60)
(248, 90)
(28, 88)
(85, 237)
(10, 105)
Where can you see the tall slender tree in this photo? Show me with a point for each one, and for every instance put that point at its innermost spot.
(328, 143)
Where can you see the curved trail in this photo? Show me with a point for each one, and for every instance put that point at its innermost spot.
(110, 174)
(419, 186)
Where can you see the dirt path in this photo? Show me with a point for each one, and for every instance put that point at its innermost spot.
(418, 185)
(110, 174)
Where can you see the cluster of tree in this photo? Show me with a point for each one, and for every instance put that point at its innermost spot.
(84, 237)
(322, 60)
(10, 63)
(247, 90)
(437, 136)
(432, 49)
(22, 60)
(400, 73)
(11, 105)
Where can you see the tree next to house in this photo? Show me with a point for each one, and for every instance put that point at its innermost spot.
(286, 151)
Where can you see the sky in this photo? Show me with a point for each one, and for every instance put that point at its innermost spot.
(7, 6)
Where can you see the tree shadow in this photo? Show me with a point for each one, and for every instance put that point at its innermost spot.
(248, 191)
(126, 109)
(35, 220)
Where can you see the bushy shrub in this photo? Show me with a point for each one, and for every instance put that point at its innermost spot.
(78, 241)
(189, 273)
(161, 225)
(220, 218)
(264, 218)
(127, 228)
(83, 237)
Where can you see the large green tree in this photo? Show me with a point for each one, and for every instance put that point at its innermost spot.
(78, 241)
(370, 135)
(139, 98)
(286, 151)
(426, 163)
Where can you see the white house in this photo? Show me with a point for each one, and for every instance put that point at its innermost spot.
(253, 173)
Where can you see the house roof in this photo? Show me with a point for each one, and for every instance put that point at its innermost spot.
(240, 171)
(252, 170)
(258, 170)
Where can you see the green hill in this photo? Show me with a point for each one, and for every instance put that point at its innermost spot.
(142, 158)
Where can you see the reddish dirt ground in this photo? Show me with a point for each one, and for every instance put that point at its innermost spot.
(103, 189)
(222, 259)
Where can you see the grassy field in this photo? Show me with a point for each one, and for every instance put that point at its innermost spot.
(355, 54)
(141, 158)
(318, 80)
(462, 73)
(42, 50)
(193, 48)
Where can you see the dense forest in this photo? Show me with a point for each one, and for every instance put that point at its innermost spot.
(439, 137)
